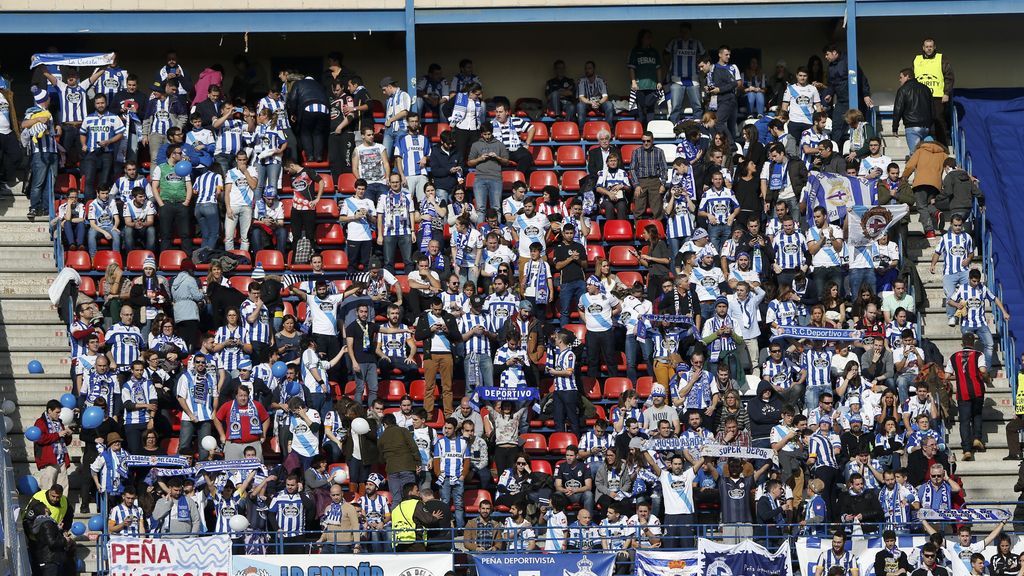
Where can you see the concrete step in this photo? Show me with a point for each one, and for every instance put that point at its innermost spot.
(28, 282)
(28, 309)
(20, 259)
(55, 362)
(25, 231)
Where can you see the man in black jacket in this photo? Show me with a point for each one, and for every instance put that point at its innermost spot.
(439, 333)
(913, 106)
(891, 561)
(211, 107)
(838, 91)
(860, 505)
(307, 106)
(771, 513)
(722, 87)
(49, 544)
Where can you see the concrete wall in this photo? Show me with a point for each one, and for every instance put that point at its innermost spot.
(515, 60)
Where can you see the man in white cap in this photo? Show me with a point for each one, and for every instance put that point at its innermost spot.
(42, 150)
(660, 410)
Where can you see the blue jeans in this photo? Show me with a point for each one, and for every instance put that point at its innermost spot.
(987, 343)
(455, 490)
(267, 175)
(208, 217)
(558, 105)
(92, 235)
(950, 282)
(486, 190)
(903, 382)
(147, 236)
(367, 376)
(718, 234)
(74, 233)
(320, 402)
(859, 277)
(674, 244)
(404, 244)
(915, 135)
(484, 364)
(376, 190)
(190, 429)
(391, 135)
(636, 351)
(755, 103)
(95, 168)
(581, 114)
(568, 295)
(692, 94)
(44, 174)
(811, 394)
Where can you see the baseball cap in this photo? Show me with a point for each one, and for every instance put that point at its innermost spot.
(699, 233)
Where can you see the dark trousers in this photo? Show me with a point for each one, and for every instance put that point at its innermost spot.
(12, 157)
(188, 330)
(839, 124)
(175, 221)
(726, 115)
(339, 152)
(95, 167)
(827, 475)
(304, 224)
(601, 344)
(646, 102)
(523, 160)
(824, 275)
(358, 253)
(940, 124)
(678, 531)
(567, 410)
(969, 412)
(312, 133)
(72, 143)
(330, 345)
(463, 140)
(260, 239)
(1013, 428)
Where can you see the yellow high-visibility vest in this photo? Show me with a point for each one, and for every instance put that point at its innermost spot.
(403, 526)
(929, 73)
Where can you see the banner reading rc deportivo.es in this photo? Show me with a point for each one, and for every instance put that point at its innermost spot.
(544, 564)
(199, 556)
(342, 565)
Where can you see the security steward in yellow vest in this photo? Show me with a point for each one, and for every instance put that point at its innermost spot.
(935, 72)
(408, 521)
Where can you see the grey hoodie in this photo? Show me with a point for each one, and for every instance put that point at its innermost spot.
(165, 514)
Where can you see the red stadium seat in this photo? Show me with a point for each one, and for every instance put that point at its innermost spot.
(136, 258)
(644, 385)
(342, 285)
(170, 260)
(594, 252)
(297, 267)
(542, 157)
(170, 445)
(533, 443)
(307, 163)
(615, 386)
(350, 391)
(641, 224)
(595, 232)
(570, 156)
(346, 183)
(240, 283)
(470, 178)
(571, 180)
(599, 415)
(618, 231)
(630, 277)
(542, 178)
(104, 258)
(395, 391)
(592, 388)
(629, 130)
(327, 208)
(473, 499)
(88, 286)
(591, 128)
(434, 131)
(286, 207)
(559, 441)
(541, 466)
(272, 260)
(330, 234)
(565, 132)
(541, 132)
(335, 260)
(378, 110)
(510, 177)
(66, 182)
(578, 329)
(417, 390)
(623, 256)
(627, 153)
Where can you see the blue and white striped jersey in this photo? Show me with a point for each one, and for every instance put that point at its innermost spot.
(398, 102)
(232, 137)
(161, 117)
(291, 517)
(110, 82)
(96, 385)
(451, 452)
(225, 509)
(817, 363)
(478, 344)
(394, 345)
(73, 101)
(229, 357)
(207, 186)
(99, 127)
(198, 392)
(954, 248)
(513, 376)
(126, 343)
(374, 507)
(565, 360)
(975, 297)
(103, 213)
(683, 56)
(267, 137)
(123, 512)
(124, 185)
(811, 138)
(591, 442)
(789, 249)
(259, 331)
(412, 149)
(828, 559)
(500, 308)
(280, 115)
(823, 447)
(718, 204)
(779, 374)
(508, 132)
(140, 391)
(783, 313)
(42, 135)
(397, 210)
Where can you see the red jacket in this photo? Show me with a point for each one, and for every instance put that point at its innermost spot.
(44, 447)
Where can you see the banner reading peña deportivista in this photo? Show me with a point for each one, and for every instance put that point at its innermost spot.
(598, 564)
(342, 565)
(195, 556)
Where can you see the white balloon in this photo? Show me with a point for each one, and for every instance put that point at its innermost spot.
(209, 443)
(7, 407)
(340, 476)
(8, 424)
(360, 426)
(238, 522)
(67, 416)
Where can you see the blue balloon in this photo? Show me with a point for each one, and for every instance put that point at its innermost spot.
(96, 523)
(294, 388)
(68, 400)
(279, 369)
(183, 168)
(27, 485)
(33, 433)
(92, 417)
(78, 528)
(35, 367)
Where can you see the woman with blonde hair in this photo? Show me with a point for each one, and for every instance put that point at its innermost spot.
(859, 133)
(114, 283)
(609, 280)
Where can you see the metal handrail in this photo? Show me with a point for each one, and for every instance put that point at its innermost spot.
(15, 558)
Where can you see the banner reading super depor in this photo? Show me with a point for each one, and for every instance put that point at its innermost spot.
(196, 556)
(343, 565)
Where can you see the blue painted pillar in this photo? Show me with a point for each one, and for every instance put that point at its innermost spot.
(410, 48)
(851, 51)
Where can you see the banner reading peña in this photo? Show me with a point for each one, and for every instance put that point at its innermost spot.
(196, 556)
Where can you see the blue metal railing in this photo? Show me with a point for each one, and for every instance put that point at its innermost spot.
(14, 559)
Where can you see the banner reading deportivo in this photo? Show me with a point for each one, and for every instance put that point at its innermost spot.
(745, 558)
(342, 564)
(680, 563)
(816, 333)
(544, 564)
(508, 394)
(197, 556)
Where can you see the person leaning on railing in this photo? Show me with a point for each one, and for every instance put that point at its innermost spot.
(340, 522)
